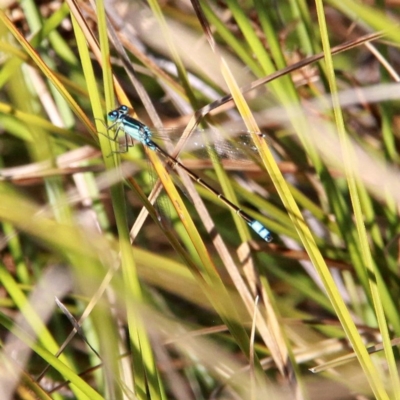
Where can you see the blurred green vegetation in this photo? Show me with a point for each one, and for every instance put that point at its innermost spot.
(182, 300)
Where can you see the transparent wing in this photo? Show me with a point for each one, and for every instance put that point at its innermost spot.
(231, 145)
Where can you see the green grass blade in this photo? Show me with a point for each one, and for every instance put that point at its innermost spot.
(363, 357)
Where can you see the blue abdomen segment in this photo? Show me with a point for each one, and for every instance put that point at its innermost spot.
(261, 230)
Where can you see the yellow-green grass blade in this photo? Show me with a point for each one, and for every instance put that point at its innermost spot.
(143, 360)
(287, 95)
(285, 91)
(40, 148)
(207, 275)
(46, 70)
(276, 346)
(283, 88)
(310, 245)
(362, 354)
(39, 122)
(66, 240)
(81, 387)
(174, 53)
(144, 364)
(374, 17)
(208, 270)
(44, 336)
(231, 40)
(105, 331)
(256, 47)
(268, 161)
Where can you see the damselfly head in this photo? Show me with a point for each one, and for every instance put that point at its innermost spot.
(118, 113)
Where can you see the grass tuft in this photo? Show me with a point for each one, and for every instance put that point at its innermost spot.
(190, 303)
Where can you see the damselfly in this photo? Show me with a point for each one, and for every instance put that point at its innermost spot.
(133, 128)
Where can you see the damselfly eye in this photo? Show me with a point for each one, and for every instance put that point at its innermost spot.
(124, 109)
(112, 116)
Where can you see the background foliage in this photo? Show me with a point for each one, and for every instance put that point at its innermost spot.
(104, 295)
